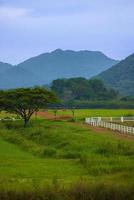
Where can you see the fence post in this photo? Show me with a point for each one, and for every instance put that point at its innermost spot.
(122, 119)
(99, 119)
(99, 122)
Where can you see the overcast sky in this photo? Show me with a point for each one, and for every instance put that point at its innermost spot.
(32, 27)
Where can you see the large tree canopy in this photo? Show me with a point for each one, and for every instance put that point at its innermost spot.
(26, 101)
(82, 89)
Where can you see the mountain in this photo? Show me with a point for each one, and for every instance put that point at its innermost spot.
(16, 77)
(47, 67)
(4, 67)
(66, 64)
(120, 76)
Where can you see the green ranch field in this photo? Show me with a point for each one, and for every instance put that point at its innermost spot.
(81, 114)
(57, 152)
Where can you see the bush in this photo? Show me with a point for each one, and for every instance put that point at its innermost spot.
(124, 149)
(71, 155)
(105, 149)
(71, 120)
(49, 152)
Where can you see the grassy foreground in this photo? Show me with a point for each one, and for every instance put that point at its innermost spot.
(60, 152)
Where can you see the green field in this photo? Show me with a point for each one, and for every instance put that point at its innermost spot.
(6, 115)
(82, 113)
(65, 155)
(55, 151)
(20, 169)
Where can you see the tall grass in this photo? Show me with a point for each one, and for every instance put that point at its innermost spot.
(101, 157)
(62, 140)
(79, 191)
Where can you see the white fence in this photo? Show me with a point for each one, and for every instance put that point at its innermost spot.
(112, 119)
(9, 119)
(110, 125)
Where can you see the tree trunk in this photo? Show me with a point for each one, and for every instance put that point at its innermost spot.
(25, 122)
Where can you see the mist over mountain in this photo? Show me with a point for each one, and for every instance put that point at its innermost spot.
(47, 67)
(121, 76)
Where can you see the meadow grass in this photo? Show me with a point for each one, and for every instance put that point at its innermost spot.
(20, 169)
(126, 123)
(81, 114)
(49, 151)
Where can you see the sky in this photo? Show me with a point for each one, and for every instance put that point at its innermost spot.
(32, 27)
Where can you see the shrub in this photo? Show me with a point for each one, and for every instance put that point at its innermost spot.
(49, 152)
(125, 149)
(71, 155)
(71, 120)
(105, 149)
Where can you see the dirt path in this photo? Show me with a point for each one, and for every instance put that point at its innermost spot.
(48, 115)
(45, 114)
(99, 130)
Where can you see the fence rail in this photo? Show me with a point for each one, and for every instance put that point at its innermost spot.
(110, 125)
(9, 119)
(113, 119)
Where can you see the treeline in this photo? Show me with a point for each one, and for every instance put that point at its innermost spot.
(94, 104)
(83, 93)
(83, 89)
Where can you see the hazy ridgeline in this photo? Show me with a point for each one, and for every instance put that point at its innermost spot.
(45, 68)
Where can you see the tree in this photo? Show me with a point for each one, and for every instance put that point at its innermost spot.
(55, 112)
(73, 112)
(26, 101)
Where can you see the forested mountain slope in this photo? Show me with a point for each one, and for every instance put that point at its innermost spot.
(121, 76)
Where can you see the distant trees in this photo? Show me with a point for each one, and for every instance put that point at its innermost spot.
(82, 89)
(25, 101)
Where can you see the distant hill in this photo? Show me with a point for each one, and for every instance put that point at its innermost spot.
(47, 67)
(66, 64)
(4, 67)
(121, 76)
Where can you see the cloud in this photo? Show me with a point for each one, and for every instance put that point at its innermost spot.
(13, 12)
(38, 26)
(71, 7)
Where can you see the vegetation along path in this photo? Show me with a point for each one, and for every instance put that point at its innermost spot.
(48, 115)
(51, 152)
